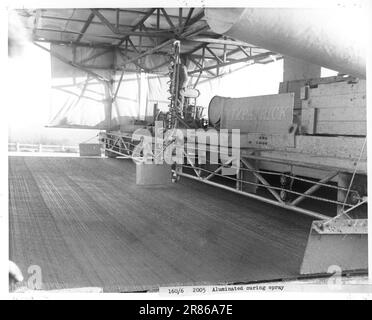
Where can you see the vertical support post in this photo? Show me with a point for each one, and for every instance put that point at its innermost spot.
(180, 16)
(117, 18)
(155, 111)
(74, 54)
(294, 69)
(108, 104)
(343, 182)
(250, 177)
(224, 52)
(142, 95)
(158, 19)
(358, 187)
(140, 47)
(238, 178)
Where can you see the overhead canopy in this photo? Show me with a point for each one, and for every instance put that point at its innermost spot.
(135, 31)
(110, 66)
(94, 50)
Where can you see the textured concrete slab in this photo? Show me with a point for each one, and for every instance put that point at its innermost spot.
(86, 223)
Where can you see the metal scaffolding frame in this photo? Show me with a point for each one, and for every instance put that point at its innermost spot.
(188, 26)
(122, 145)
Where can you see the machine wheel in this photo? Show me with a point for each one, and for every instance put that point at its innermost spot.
(283, 195)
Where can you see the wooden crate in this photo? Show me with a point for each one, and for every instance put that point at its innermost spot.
(335, 109)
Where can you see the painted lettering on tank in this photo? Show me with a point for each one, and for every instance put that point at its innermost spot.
(263, 113)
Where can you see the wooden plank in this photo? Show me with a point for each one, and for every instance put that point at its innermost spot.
(346, 165)
(322, 83)
(337, 147)
(322, 147)
(308, 120)
(339, 109)
(316, 82)
(339, 88)
(342, 114)
(295, 87)
(349, 128)
(335, 121)
(355, 100)
(304, 92)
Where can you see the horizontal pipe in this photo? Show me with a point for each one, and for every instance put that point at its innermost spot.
(334, 39)
(256, 197)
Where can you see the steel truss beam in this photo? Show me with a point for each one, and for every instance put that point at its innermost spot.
(221, 41)
(137, 25)
(186, 29)
(214, 55)
(118, 35)
(105, 21)
(200, 65)
(76, 95)
(167, 18)
(119, 145)
(191, 11)
(219, 65)
(76, 20)
(263, 181)
(70, 63)
(85, 27)
(76, 44)
(256, 197)
(96, 55)
(277, 201)
(157, 48)
(196, 18)
(314, 188)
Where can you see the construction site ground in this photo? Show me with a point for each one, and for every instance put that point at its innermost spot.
(86, 223)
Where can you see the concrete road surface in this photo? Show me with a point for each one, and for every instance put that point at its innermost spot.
(86, 223)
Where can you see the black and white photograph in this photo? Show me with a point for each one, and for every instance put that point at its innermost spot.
(187, 150)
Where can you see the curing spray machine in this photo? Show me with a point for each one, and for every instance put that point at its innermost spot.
(303, 149)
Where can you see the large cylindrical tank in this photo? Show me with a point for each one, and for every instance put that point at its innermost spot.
(332, 38)
(258, 114)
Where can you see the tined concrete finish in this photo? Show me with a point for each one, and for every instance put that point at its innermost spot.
(86, 223)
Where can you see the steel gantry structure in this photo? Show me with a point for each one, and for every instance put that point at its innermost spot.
(136, 33)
